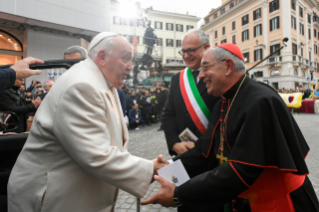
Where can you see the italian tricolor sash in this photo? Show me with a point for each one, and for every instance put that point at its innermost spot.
(193, 100)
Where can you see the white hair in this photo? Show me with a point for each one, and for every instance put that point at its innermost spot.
(107, 44)
(201, 35)
(222, 54)
(75, 49)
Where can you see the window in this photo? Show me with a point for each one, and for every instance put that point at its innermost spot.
(159, 41)
(293, 4)
(309, 18)
(257, 14)
(315, 33)
(215, 15)
(273, 5)
(303, 73)
(224, 30)
(274, 48)
(216, 34)
(178, 43)
(158, 25)
(275, 72)
(233, 39)
(222, 11)
(302, 32)
(246, 57)
(274, 23)
(233, 25)
(169, 43)
(301, 52)
(169, 26)
(129, 38)
(180, 61)
(245, 35)
(301, 12)
(133, 22)
(258, 55)
(188, 27)
(117, 20)
(179, 28)
(293, 23)
(216, 44)
(245, 20)
(206, 20)
(257, 30)
(224, 41)
(309, 33)
(309, 56)
(294, 49)
(170, 60)
(296, 71)
(126, 22)
(315, 49)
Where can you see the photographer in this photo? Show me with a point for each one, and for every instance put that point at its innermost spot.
(11, 100)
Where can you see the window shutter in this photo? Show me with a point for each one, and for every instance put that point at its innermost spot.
(255, 28)
(270, 24)
(255, 59)
(182, 28)
(242, 36)
(242, 20)
(270, 7)
(247, 34)
(261, 54)
(278, 25)
(260, 28)
(254, 14)
(247, 18)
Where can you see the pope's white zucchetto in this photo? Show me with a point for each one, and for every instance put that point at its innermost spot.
(99, 37)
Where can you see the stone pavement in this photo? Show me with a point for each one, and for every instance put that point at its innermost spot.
(149, 143)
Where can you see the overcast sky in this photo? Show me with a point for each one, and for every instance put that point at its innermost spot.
(198, 8)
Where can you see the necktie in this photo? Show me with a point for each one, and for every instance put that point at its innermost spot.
(195, 74)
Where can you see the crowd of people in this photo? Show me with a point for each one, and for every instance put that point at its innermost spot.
(144, 106)
(306, 93)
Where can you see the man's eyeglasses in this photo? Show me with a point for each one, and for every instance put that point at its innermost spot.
(205, 67)
(190, 52)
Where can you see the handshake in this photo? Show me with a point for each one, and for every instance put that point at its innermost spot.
(165, 194)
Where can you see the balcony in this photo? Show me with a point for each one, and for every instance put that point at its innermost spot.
(274, 61)
(313, 66)
(295, 60)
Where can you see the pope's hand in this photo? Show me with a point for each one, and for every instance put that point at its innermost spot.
(159, 162)
(165, 194)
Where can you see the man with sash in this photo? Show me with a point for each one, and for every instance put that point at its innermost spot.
(252, 156)
(189, 106)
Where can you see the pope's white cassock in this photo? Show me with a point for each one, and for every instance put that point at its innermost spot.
(76, 158)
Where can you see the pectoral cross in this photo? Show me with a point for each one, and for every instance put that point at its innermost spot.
(220, 156)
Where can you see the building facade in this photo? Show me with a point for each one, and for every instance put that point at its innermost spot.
(258, 27)
(168, 27)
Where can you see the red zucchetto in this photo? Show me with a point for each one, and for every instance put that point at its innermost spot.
(233, 49)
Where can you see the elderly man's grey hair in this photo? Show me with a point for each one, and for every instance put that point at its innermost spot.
(47, 82)
(201, 35)
(222, 54)
(74, 49)
(107, 44)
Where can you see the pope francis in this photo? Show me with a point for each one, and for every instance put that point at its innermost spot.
(76, 157)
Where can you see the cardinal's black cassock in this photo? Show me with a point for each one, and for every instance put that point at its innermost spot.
(258, 166)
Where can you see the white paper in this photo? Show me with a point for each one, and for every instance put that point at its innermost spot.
(187, 135)
(174, 173)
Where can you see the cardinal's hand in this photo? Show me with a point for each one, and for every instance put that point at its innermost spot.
(165, 194)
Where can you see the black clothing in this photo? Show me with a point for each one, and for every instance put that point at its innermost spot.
(130, 102)
(11, 100)
(261, 136)
(7, 78)
(176, 117)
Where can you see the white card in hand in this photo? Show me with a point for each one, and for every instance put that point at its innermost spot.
(174, 173)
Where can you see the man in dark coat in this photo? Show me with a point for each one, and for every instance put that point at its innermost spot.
(177, 116)
(252, 156)
(11, 100)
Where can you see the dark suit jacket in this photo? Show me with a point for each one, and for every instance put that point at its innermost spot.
(176, 116)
